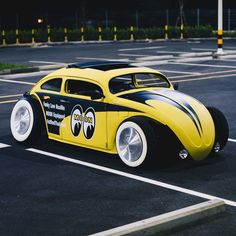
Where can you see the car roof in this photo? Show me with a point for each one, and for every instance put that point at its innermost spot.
(101, 71)
(101, 65)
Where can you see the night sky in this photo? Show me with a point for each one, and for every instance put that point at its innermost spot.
(25, 13)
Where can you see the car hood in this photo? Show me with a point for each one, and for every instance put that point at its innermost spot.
(188, 118)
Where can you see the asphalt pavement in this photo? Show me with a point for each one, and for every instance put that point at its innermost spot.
(41, 195)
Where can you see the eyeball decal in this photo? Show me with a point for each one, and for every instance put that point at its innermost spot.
(76, 121)
(89, 123)
(86, 120)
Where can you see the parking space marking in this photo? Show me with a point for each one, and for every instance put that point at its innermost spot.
(9, 101)
(203, 78)
(195, 64)
(141, 48)
(132, 176)
(103, 59)
(203, 74)
(48, 62)
(225, 59)
(232, 140)
(203, 49)
(9, 96)
(133, 55)
(3, 145)
(180, 72)
(26, 75)
(16, 82)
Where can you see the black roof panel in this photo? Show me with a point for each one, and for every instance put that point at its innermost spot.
(101, 65)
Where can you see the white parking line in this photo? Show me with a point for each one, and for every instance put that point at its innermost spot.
(132, 176)
(230, 60)
(9, 96)
(203, 74)
(102, 59)
(133, 55)
(180, 72)
(232, 140)
(3, 145)
(16, 82)
(141, 48)
(203, 78)
(25, 75)
(9, 101)
(204, 49)
(48, 62)
(204, 65)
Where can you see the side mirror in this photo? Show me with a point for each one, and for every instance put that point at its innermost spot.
(96, 94)
(176, 86)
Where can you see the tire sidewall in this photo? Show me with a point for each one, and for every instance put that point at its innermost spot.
(142, 135)
(221, 126)
(28, 105)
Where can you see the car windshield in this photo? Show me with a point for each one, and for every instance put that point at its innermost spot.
(136, 81)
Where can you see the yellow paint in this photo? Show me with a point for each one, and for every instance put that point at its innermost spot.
(100, 33)
(82, 33)
(220, 32)
(115, 33)
(166, 31)
(66, 38)
(131, 33)
(33, 39)
(220, 41)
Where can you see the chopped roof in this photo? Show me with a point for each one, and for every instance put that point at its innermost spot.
(101, 65)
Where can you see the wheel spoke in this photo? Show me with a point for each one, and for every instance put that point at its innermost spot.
(130, 144)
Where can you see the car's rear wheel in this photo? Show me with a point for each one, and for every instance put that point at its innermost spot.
(135, 142)
(221, 129)
(25, 123)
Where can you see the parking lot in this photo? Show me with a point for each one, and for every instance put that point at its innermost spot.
(82, 192)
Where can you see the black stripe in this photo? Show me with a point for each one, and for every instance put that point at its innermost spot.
(180, 100)
(142, 97)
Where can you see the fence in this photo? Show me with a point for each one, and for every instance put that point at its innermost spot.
(109, 19)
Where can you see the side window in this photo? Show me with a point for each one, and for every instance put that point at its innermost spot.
(81, 87)
(52, 85)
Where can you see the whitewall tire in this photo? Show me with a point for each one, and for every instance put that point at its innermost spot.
(131, 143)
(27, 122)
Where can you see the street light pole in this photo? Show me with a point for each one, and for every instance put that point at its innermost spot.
(220, 27)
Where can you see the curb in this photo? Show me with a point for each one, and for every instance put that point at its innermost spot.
(43, 44)
(168, 221)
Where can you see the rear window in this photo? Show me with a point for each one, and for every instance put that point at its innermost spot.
(52, 85)
(136, 81)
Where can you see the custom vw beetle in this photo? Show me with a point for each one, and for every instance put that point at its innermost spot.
(119, 108)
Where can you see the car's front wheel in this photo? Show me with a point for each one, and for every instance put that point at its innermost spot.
(135, 142)
(25, 123)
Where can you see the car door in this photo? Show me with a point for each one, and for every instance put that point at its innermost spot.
(86, 120)
(50, 96)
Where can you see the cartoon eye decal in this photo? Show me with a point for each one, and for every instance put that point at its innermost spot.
(89, 123)
(76, 120)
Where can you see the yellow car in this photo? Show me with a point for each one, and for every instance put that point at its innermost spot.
(115, 107)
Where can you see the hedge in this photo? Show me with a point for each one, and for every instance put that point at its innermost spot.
(90, 33)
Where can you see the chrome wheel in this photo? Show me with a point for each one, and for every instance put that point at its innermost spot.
(22, 120)
(130, 144)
